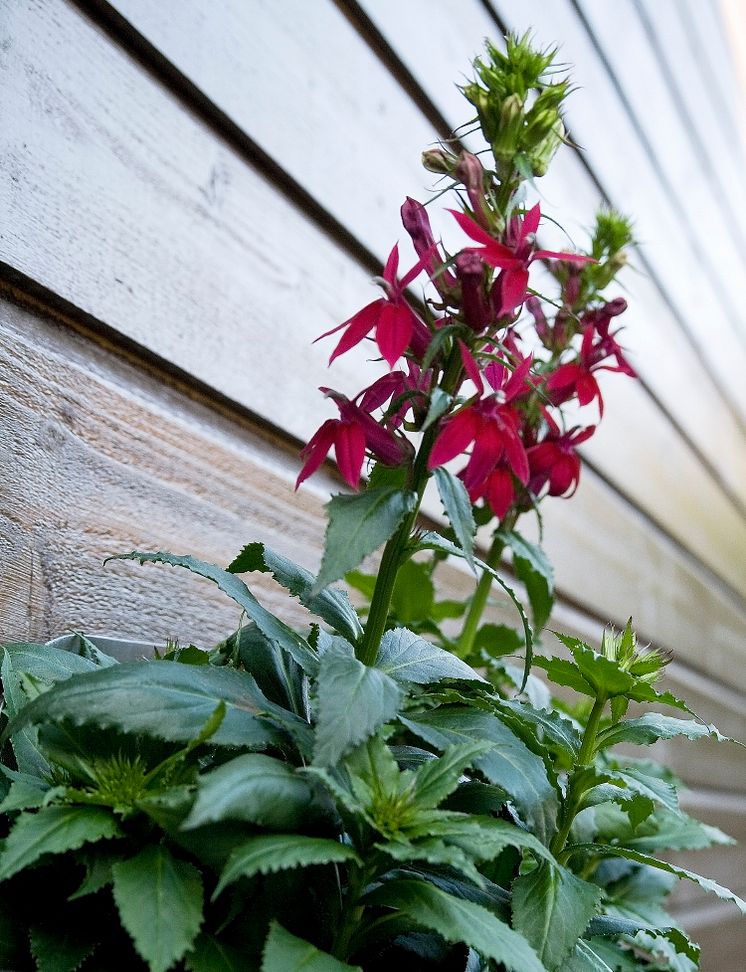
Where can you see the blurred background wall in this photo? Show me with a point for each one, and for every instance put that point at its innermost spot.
(191, 192)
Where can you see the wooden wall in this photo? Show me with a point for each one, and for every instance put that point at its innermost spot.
(191, 192)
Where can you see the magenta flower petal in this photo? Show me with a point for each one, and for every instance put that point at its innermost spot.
(513, 286)
(358, 327)
(489, 445)
(517, 457)
(349, 448)
(500, 491)
(391, 268)
(470, 367)
(455, 436)
(315, 452)
(394, 331)
(561, 255)
(494, 253)
(530, 223)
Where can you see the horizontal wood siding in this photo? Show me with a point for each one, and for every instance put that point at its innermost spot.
(192, 193)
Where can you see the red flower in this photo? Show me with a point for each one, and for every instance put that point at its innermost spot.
(498, 489)
(513, 258)
(555, 460)
(490, 424)
(391, 316)
(351, 434)
(575, 378)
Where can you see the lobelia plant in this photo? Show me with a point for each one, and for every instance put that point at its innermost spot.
(384, 789)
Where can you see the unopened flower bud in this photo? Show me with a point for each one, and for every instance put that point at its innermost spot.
(471, 172)
(417, 223)
(540, 156)
(439, 160)
(474, 305)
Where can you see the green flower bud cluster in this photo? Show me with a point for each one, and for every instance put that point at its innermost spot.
(519, 106)
(645, 664)
(612, 236)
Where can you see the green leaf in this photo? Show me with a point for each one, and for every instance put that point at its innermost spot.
(98, 863)
(159, 899)
(252, 787)
(60, 949)
(331, 605)
(533, 569)
(284, 952)
(432, 851)
(557, 730)
(280, 852)
(496, 640)
(439, 404)
(433, 541)
(653, 726)
(458, 921)
(407, 657)
(437, 778)
(53, 830)
(637, 780)
(456, 503)
(25, 795)
(482, 837)
(675, 831)
(511, 765)
(611, 850)
(365, 583)
(551, 909)
(234, 587)
(603, 674)
(564, 672)
(163, 699)
(359, 525)
(353, 701)
(46, 662)
(212, 955)
(29, 757)
(412, 597)
(584, 958)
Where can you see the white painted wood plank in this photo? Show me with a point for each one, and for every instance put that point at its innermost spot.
(117, 199)
(718, 530)
(720, 140)
(716, 222)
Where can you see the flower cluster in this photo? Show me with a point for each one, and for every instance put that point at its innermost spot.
(484, 364)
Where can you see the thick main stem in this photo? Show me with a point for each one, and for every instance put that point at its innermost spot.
(393, 553)
(391, 560)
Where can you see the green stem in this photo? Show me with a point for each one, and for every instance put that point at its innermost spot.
(391, 561)
(353, 912)
(577, 784)
(479, 599)
(395, 550)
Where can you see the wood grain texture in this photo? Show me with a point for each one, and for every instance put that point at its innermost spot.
(140, 172)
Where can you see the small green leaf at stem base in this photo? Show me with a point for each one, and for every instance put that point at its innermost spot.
(358, 526)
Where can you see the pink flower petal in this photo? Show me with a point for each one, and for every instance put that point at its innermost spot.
(394, 331)
(315, 452)
(500, 492)
(561, 255)
(489, 444)
(349, 448)
(530, 222)
(513, 289)
(392, 266)
(471, 367)
(455, 436)
(358, 327)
